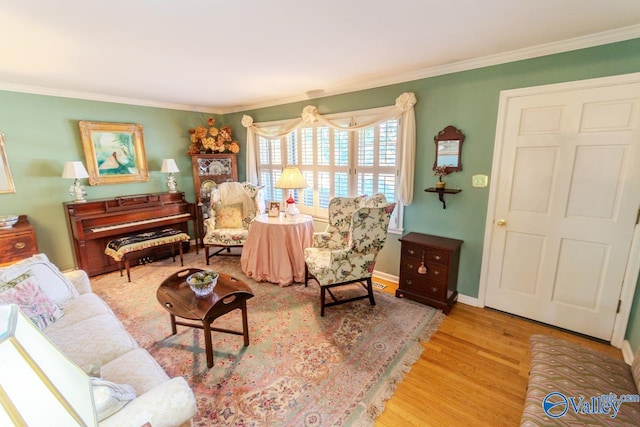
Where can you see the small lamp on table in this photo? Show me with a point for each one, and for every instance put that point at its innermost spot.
(169, 166)
(75, 171)
(291, 179)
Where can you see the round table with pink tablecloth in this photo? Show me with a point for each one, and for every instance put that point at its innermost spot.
(274, 249)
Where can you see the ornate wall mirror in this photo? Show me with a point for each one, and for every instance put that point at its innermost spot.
(449, 149)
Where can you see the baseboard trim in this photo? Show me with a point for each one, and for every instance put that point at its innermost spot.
(627, 352)
(386, 276)
(467, 300)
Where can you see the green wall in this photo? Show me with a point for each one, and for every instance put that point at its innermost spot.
(42, 133)
(469, 101)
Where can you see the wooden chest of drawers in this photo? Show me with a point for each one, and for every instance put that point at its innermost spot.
(17, 242)
(435, 284)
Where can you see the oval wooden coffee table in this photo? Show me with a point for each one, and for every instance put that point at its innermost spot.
(175, 295)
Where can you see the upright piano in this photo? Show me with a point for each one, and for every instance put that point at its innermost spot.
(93, 223)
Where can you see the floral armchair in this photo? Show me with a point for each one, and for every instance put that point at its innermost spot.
(336, 235)
(354, 262)
(233, 207)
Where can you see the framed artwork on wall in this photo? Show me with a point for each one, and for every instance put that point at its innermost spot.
(6, 182)
(114, 152)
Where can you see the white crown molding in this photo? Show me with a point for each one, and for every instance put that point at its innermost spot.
(38, 90)
(592, 40)
(597, 39)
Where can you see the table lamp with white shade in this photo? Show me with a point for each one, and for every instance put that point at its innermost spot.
(291, 179)
(169, 166)
(75, 171)
(39, 385)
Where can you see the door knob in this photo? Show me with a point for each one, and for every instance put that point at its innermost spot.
(502, 223)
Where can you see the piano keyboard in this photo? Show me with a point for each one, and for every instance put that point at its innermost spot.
(134, 223)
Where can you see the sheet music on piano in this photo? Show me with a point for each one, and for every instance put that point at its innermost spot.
(94, 222)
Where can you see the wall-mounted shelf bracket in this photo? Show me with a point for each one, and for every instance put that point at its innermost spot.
(441, 192)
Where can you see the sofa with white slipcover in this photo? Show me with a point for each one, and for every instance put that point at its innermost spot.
(83, 327)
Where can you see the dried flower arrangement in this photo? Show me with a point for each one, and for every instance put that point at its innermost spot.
(212, 140)
(440, 171)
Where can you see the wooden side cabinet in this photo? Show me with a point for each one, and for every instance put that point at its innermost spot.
(17, 242)
(429, 270)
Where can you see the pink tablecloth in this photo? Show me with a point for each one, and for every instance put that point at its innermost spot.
(274, 249)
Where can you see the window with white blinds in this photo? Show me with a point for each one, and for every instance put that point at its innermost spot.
(334, 163)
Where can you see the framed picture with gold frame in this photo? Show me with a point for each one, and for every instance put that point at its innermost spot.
(6, 182)
(114, 152)
(274, 209)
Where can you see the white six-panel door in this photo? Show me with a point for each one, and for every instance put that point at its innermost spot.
(568, 195)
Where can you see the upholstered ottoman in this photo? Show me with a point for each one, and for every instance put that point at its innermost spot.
(571, 385)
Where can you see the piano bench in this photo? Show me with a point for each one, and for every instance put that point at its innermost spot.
(120, 249)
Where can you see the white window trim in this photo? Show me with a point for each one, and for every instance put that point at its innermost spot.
(402, 110)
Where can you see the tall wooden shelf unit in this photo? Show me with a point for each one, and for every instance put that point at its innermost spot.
(209, 169)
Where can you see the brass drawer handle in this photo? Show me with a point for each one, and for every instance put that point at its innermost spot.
(409, 282)
(437, 257)
(410, 266)
(434, 289)
(436, 272)
(20, 245)
(411, 251)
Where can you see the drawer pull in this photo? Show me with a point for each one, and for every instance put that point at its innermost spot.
(409, 282)
(437, 257)
(436, 272)
(411, 251)
(434, 289)
(410, 266)
(20, 245)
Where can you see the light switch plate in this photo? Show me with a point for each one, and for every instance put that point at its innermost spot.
(479, 180)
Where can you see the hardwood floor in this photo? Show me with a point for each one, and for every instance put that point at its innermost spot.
(473, 371)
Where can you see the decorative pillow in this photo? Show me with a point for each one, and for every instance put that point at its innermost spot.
(228, 216)
(110, 397)
(25, 291)
(51, 280)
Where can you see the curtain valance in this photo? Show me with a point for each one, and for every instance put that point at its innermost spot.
(403, 109)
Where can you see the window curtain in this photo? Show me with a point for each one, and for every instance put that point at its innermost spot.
(403, 110)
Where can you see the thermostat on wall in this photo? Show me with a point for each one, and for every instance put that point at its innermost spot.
(479, 180)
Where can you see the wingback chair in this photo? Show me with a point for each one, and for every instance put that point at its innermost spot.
(354, 262)
(335, 236)
(233, 207)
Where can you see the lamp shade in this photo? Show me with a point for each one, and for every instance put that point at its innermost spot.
(39, 385)
(169, 166)
(74, 170)
(291, 178)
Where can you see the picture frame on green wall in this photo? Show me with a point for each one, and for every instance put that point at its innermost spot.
(114, 152)
(6, 182)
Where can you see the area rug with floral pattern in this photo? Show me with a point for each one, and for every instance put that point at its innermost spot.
(300, 369)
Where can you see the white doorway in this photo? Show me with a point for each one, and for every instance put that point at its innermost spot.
(564, 205)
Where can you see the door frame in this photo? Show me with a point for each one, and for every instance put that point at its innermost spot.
(633, 262)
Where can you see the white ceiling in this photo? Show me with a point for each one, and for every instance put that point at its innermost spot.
(220, 56)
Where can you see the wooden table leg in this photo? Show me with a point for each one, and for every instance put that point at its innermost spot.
(174, 330)
(245, 323)
(208, 347)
